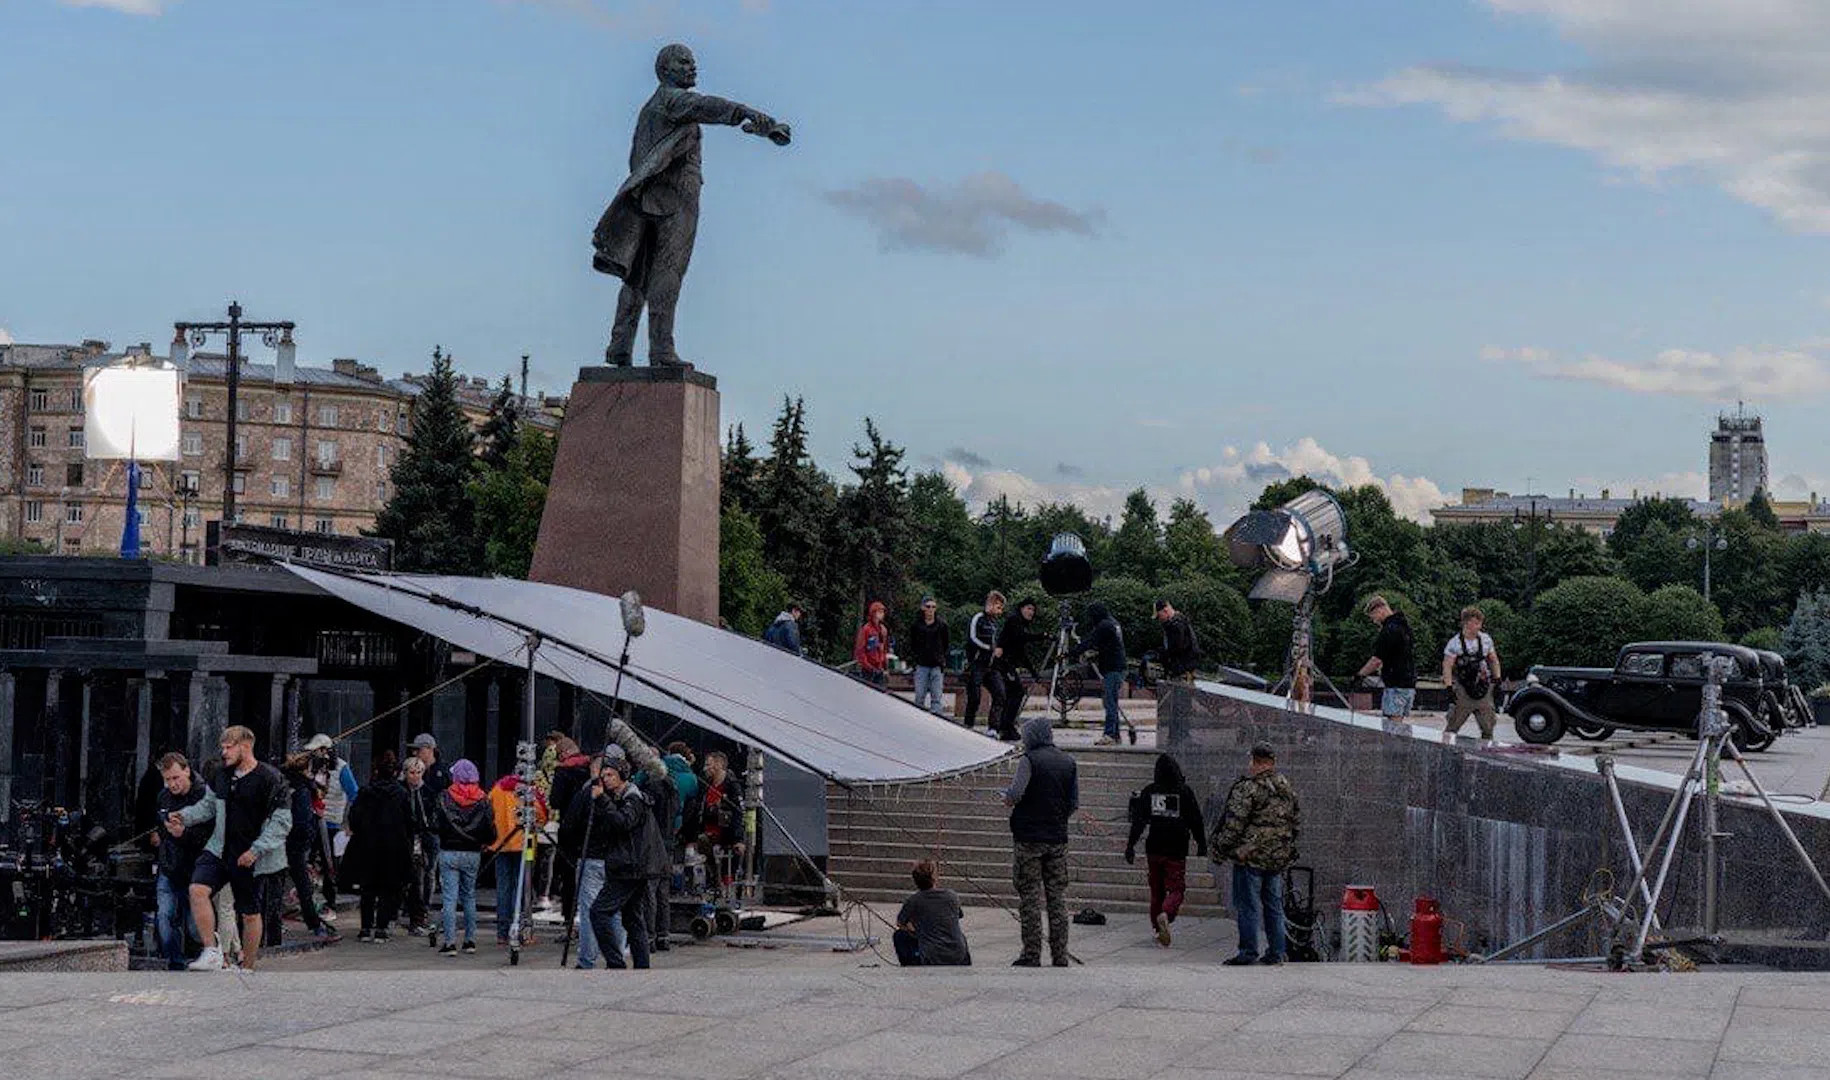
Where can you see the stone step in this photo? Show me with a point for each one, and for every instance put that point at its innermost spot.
(984, 891)
(891, 898)
(1116, 873)
(956, 836)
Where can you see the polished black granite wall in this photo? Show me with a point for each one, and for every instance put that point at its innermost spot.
(1507, 840)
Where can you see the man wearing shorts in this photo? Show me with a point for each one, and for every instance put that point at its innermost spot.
(249, 802)
(1392, 660)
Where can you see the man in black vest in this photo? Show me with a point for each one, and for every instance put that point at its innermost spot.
(1042, 795)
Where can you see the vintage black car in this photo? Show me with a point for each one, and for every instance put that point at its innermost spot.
(1786, 704)
(1653, 686)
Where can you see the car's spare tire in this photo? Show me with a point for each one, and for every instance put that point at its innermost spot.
(1749, 735)
(1538, 722)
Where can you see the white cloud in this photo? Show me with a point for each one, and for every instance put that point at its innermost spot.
(129, 7)
(1738, 93)
(1224, 490)
(971, 217)
(5, 338)
(1743, 374)
(982, 486)
(1240, 476)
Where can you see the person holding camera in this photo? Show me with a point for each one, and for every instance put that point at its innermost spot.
(1471, 667)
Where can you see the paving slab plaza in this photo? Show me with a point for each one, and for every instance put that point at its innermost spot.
(1133, 1010)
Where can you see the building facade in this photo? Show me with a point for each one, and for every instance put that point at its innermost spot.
(1485, 506)
(314, 453)
(1737, 458)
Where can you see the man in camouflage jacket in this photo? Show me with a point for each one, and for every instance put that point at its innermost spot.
(1258, 832)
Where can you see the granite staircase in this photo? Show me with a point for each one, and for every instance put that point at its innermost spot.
(876, 831)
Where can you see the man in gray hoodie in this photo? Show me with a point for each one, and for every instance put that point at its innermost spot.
(1042, 796)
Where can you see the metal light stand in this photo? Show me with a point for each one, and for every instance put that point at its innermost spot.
(522, 923)
(1298, 683)
(753, 801)
(1626, 919)
(1064, 640)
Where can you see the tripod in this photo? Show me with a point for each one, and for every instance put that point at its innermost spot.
(1630, 920)
(1298, 683)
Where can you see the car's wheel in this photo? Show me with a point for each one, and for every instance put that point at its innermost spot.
(1539, 722)
(1749, 735)
(1592, 732)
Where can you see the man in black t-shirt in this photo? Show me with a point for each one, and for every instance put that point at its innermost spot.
(249, 803)
(1392, 660)
(928, 933)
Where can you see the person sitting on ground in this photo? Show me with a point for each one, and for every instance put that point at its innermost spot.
(928, 932)
(1167, 807)
(380, 855)
(466, 827)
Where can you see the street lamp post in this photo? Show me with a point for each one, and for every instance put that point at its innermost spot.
(1529, 521)
(1711, 540)
(275, 335)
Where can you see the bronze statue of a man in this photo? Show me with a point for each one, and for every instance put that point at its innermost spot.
(646, 235)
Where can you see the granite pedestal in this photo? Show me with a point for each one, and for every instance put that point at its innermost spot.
(633, 503)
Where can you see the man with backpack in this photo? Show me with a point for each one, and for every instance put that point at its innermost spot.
(1471, 667)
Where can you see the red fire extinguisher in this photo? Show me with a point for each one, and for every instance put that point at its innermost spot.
(1426, 932)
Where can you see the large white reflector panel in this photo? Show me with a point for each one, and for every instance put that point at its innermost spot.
(131, 412)
(810, 716)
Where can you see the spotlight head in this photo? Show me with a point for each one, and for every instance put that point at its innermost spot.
(1300, 541)
(1066, 570)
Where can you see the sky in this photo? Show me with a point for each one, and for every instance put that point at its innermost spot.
(1059, 252)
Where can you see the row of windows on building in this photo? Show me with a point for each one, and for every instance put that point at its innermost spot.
(325, 487)
(280, 449)
(193, 518)
(329, 415)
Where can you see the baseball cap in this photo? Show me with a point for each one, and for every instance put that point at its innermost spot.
(320, 741)
(424, 742)
(1264, 752)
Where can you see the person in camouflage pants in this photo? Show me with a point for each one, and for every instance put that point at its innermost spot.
(1041, 870)
(1043, 794)
(1258, 832)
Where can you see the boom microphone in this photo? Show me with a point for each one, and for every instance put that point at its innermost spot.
(634, 621)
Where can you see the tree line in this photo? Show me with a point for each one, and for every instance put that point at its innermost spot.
(469, 501)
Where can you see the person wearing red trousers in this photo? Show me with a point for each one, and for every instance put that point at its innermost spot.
(1171, 813)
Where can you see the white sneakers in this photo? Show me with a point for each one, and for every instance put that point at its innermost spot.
(1162, 929)
(209, 960)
